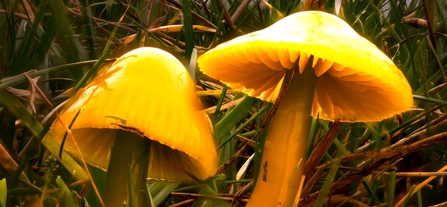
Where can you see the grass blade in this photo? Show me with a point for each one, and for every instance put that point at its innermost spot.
(390, 189)
(67, 197)
(324, 194)
(69, 43)
(187, 27)
(16, 107)
(159, 190)
(3, 192)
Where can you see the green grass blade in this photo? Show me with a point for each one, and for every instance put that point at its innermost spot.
(67, 161)
(130, 188)
(88, 27)
(429, 83)
(372, 195)
(67, 197)
(220, 101)
(3, 192)
(312, 137)
(99, 177)
(441, 9)
(431, 100)
(126, 148)
(16, 107)
(187, 27)
(324, 193)
(240, 128)
(340, 147)
(92, 72)
(32, 35)
(193, 64)
(69, 43)
(5, 24)
(223, 130)
(419, 194)
(15, 177)
(160, 190)
(390, 188)
(408, 196)
(22, 78)
(209, 202)
(150, 198)
(229, 121)
(105, 53)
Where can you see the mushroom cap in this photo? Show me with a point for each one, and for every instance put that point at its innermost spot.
(147, 92)
(356, 81)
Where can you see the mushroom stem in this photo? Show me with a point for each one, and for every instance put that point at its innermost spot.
(285, 146)
(127, 152)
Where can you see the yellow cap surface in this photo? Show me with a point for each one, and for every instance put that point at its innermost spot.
(357, 81)
(148, 92)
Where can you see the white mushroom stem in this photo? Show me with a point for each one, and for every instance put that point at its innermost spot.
(285, 146)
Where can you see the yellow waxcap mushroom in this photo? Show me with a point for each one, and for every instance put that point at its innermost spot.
(147, 92)
(335, 74)
(356, 81)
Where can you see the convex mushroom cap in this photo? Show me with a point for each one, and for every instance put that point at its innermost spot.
(147, 92)
(356, 81)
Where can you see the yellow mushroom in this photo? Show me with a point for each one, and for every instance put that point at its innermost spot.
(145, 93)
(339, 75)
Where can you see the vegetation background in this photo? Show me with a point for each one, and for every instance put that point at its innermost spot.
(48, 46)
